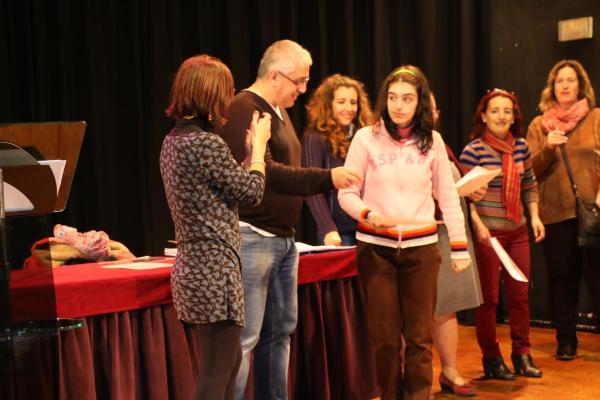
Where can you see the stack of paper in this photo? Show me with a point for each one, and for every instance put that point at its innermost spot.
(474, 179)
(508, 262)
(307, 248)
(171, 251)
(139, 265)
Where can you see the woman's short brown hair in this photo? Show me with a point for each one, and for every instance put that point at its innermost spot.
(548, 98)
(202, 88)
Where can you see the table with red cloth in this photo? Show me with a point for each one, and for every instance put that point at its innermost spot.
(132, 346)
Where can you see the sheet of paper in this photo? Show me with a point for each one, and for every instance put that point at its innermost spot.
(474, 179)
(508, 263)
(171, 251)
(307, 248)
(139, 265)
(15, 200)
(57, 167)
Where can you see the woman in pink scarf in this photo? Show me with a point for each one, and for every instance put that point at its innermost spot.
(569, 119)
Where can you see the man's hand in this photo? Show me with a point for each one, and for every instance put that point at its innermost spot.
(343, 177)
(332, 239)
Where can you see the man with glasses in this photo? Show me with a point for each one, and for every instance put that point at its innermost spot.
(268, 253)
(297, 82)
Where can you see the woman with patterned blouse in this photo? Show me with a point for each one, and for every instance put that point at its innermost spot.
(204, 185)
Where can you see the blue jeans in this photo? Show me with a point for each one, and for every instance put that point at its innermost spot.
(270, 278)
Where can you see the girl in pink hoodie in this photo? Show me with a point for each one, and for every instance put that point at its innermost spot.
(403, 165)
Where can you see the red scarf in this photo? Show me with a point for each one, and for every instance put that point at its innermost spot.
(454, 160)
(564, 120)
(511, 181)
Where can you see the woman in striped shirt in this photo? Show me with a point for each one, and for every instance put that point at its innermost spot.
(497, 143)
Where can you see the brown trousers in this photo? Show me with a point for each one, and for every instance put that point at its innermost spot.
(400, 287)
(220, 354)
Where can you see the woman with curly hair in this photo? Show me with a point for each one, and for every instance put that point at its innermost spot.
(337, 108)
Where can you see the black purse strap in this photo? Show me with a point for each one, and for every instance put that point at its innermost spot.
(563, 150)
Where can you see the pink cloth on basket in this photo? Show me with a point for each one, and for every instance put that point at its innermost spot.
(95, 244)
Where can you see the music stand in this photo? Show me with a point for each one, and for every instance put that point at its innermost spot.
(36, 189)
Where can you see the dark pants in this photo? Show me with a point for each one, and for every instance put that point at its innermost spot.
(400, 287)
(516, 244)
(567, 263)
(220, 354)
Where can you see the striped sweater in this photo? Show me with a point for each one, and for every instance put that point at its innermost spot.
(399, 182)
(490, 208)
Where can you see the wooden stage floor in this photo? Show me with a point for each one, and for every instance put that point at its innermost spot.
(565, 380)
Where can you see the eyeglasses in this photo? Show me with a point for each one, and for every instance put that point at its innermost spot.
(297, 82)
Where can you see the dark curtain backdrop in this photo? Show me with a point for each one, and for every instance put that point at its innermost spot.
(110, 63)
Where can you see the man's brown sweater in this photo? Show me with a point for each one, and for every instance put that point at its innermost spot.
(287, 181)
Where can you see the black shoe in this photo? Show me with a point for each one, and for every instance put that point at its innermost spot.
(524, 365)
(494, 368)
(566, 352)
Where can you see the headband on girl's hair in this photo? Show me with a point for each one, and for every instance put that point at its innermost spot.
(497, 90)
(403, 70)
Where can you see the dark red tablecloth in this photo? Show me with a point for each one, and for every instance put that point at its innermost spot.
(91, 289)
(87, 290)
(133, 347)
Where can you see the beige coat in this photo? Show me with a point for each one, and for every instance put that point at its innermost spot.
(557, 202)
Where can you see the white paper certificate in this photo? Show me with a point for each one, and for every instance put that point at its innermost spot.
(307, 248)
(138, 265)
(474, 179)
(508, 263)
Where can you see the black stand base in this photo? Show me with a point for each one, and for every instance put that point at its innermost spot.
(28, 329)
(20, 342)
